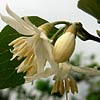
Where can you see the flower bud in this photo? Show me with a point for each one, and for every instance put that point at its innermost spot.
(65, 45)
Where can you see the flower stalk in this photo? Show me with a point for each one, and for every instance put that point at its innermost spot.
(61, 22)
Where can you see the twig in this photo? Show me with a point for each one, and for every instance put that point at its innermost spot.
(89, 36)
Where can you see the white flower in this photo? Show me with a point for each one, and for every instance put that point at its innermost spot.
(36, 48)
(61, 76)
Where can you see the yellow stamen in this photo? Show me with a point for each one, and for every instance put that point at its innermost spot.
(20, 39)
(67, 85)
(55, 87)
(61, 87)
(73, 86)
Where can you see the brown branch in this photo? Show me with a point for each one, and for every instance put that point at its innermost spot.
(89, 36)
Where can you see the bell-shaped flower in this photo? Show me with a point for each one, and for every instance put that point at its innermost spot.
(62, 76)
(35, 46)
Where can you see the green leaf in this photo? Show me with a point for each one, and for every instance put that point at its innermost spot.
(91, 7)
(8, 75)
(37, 20)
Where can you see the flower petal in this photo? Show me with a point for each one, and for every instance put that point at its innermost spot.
(16, 17)
(26, 19)
(21, 21)
(16, 25)
(40, 55)
(19, 24)
(44, 74)
(48, 46)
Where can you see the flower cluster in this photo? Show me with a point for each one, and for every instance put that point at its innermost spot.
(37, 49)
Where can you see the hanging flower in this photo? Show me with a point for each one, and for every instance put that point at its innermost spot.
(36, 48)
(64, 81)
(61, 76)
